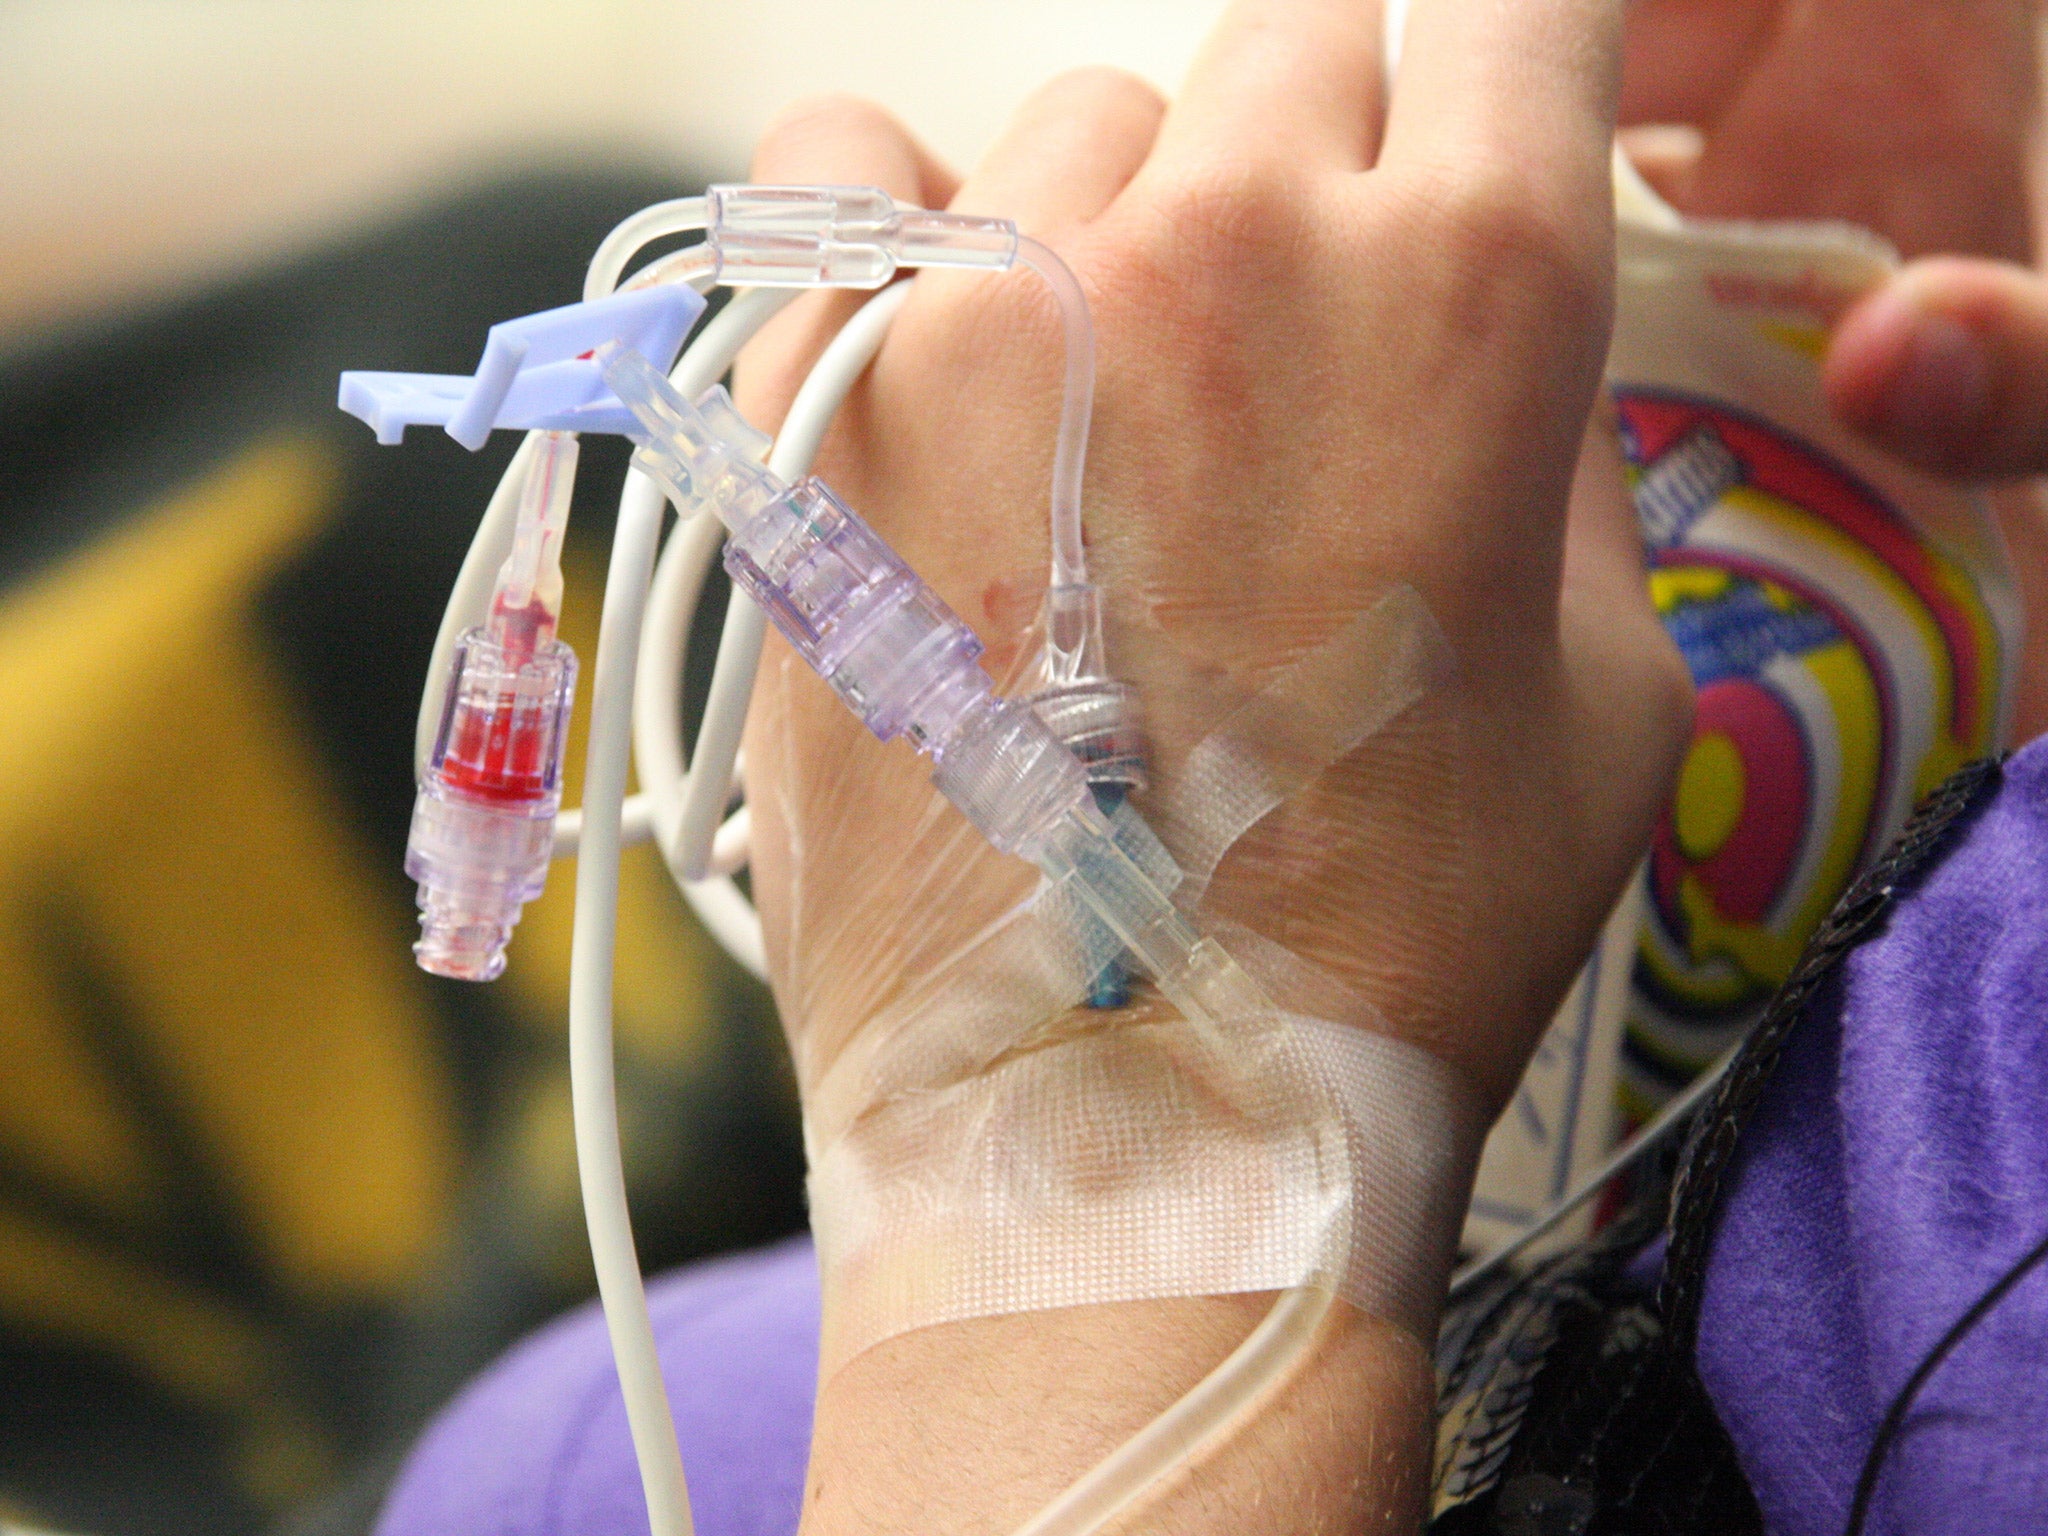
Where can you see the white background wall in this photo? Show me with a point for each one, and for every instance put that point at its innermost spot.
(149, 143)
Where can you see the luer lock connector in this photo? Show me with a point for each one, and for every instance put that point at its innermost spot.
(483, 824)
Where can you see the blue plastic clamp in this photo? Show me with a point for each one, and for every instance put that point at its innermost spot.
(536, 371)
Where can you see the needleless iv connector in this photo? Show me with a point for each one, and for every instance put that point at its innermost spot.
(483, 822)
(904, 663)
(480, 859)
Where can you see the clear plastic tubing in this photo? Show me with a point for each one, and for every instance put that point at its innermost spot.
(759, 217)
(1070, 451)
(680, 216)
(1263, 1362)
(592, 1073)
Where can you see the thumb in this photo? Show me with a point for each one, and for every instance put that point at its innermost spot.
(1946, 365)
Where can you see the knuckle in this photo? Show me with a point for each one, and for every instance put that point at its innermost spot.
(1101, 92)
(1199, 267)
(1230, 219)
(1494, 230)
(798, 134)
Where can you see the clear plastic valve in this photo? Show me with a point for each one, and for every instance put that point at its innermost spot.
(483, 823)
(861, 618)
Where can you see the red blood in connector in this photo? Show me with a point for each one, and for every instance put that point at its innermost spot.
(503, 754)
(523, 631)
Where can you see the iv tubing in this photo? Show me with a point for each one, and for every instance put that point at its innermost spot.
(739, 652)
(662, 775)
(1077, 405)
(471, 598)
(592, 1071)
(592, 1077)
(678, 216)
(1265, 1360)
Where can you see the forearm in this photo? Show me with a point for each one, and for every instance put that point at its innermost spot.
(973, 1427)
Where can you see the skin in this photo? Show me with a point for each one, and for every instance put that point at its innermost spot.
(1344, 343)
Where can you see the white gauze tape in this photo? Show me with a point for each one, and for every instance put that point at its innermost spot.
(986, 1147)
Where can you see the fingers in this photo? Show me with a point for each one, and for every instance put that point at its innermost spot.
(1523, 89)
(1294, 82)
(1947, 366)
(846, 141)
(1685, 61)
(838, 140)
(1068, 152)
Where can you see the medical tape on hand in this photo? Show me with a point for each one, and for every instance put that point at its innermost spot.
(986, 1148)
(1307, 717)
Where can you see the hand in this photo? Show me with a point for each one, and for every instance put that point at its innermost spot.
(1902, 116)
(1344, 344)
(1329, 363)
(1914, 120)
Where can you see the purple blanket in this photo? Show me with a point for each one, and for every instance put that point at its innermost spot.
(538, 1446)
(1898, 1164)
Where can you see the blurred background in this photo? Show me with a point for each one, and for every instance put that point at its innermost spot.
(152, 142)
(268, 1195)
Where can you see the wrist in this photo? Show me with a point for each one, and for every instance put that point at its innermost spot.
(976, 1423)
(974, 1426)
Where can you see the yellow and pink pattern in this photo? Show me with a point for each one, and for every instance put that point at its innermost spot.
(1845, 666)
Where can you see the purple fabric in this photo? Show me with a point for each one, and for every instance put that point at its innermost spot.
(1897, 1166)
(538, 1445)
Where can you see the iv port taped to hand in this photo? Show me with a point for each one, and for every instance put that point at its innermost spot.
(905, 664)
